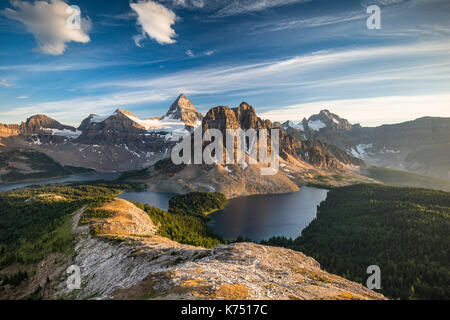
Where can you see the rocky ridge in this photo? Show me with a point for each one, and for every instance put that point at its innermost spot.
(153, 267)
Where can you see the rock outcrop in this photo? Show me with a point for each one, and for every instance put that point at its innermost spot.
(8, 130)
(312, 151)
(153, 267)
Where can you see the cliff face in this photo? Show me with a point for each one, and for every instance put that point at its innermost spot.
(317, 153)
(8, 130)
(243, 117)
(153, 267)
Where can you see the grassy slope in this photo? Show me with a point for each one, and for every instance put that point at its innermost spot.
(41, 166)
(35, 223)
(406, 179)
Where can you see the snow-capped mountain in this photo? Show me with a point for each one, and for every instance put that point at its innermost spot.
(421, 146)
(308, 128)
(116, 142)
(184, 111)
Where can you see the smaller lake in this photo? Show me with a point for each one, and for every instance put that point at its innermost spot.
(265, 216)
(255, 217)
(74, 178)
(155, 199)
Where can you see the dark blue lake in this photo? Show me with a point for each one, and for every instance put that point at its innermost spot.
(254, 217)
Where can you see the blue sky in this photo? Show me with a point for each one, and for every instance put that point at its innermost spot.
(288, 58)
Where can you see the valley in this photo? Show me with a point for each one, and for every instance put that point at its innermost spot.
(128, 251)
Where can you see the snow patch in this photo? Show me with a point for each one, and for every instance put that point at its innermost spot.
(316, 125)
(360, 150)
(65, 133)
(97, 119)
(296, 125)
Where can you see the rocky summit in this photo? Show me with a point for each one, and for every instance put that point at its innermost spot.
(182, 109)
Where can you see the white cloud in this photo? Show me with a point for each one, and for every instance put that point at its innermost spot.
(302, 73)
(155, 20)
(367, 3)
(22, 97)
(318, 21)
(210, 52)
(47, 21)
(287, 72)
(72, 111)
(189, 53)
(370, 111)
(5, 83)
(225, 8)
(237, 7)
(191, 4)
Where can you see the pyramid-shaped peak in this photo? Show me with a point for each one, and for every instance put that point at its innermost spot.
(182, 96)
(182, 102)
(182, 109)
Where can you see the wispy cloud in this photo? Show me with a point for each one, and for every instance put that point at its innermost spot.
(57, 67)
(210, 52)
(72, 111)
(155, 20)
(319, 21)
(370, 111)
(321, 69)
(47, 21)
(278, 72)
(237, 7)
(226, 8)
(5, 83)
(189, 53)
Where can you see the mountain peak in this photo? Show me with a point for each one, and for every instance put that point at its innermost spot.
(330, 120)
(38, 122)
(182, 109)
(125, 112)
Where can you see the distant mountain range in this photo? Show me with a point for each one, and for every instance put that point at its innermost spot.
(322, 149)
(118, 142)
(420, 146)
